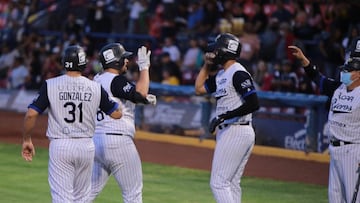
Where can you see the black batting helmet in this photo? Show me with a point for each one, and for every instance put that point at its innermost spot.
(355, 47)
(74, 58)
(112, 56)
(353, 64)
(225, 47)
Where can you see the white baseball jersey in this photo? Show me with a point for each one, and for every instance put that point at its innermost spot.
(105, 124)
(227, 97)
(344, 114)
(73, 102)
(344, 128)
(234, 142)
(115, 150)
(71, 97)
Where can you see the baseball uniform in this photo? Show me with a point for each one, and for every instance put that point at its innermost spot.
(344, 128)
(235, 137)
(73, 103)
(116, 153)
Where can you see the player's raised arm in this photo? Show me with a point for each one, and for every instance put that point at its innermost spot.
(297, 52)
(203, 75)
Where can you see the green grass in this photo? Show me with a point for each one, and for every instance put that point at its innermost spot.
(21, 181)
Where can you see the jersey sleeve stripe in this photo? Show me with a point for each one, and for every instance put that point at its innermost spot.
(116, 106)
(248, 93)
(35, 108)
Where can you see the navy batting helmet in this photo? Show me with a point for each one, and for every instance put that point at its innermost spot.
(112, 56)
(226, 47)
(74, 58)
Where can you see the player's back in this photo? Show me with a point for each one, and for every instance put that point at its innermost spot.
(125, 125)
(73, 105)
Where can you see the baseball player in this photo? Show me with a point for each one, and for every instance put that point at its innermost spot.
(344, 124)
(115, 151)
(236, 100)
(73, 101)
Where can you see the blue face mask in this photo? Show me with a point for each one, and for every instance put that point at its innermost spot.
(345, 77)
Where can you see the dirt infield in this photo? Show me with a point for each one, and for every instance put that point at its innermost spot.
(184, 156)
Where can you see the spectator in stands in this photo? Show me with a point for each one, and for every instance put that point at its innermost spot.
(71, 26)
(269, 41)
(195, 16)
(259, 19)
(169, 77)
(136, 8)
(333, 52)
(193, 56)
(7, 59)
(315, 19)
(119, 15)
(156, 22)
(98, 21)
(286, 38)
(287, 80)
(35, 69)
(211, 14)
(250, 47)
(172, 49)
(171, 73)
(93, 65)
(169, 28)
(354, 31)
(302, 30)
(18, 74)
(306, 86)
(262, 76)
(193, 60)
(282, 14)
(52, 66)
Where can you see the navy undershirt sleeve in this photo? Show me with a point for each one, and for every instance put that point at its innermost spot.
(243, 83)
(210, 84)
(106, 105)
(122, 88)
(41, 102)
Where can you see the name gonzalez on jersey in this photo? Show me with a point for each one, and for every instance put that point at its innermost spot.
(75, 92)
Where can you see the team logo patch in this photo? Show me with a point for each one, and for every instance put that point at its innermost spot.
(127, 87)
(82, 58)
(247, 83)
(357, 47)
(233, 45)
(109, 56)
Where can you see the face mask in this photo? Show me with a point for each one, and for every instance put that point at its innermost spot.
(345, 77)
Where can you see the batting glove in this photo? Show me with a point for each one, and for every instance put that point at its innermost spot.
(143, 60)
(214, 123)
(209, 61)
(151, 99)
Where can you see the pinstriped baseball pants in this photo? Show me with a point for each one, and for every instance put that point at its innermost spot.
(344, 162)
(70, 166)
(232, 151)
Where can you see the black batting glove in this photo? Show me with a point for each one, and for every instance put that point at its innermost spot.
(214, 123)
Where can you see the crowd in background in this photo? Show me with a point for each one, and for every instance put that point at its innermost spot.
(181, 30)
